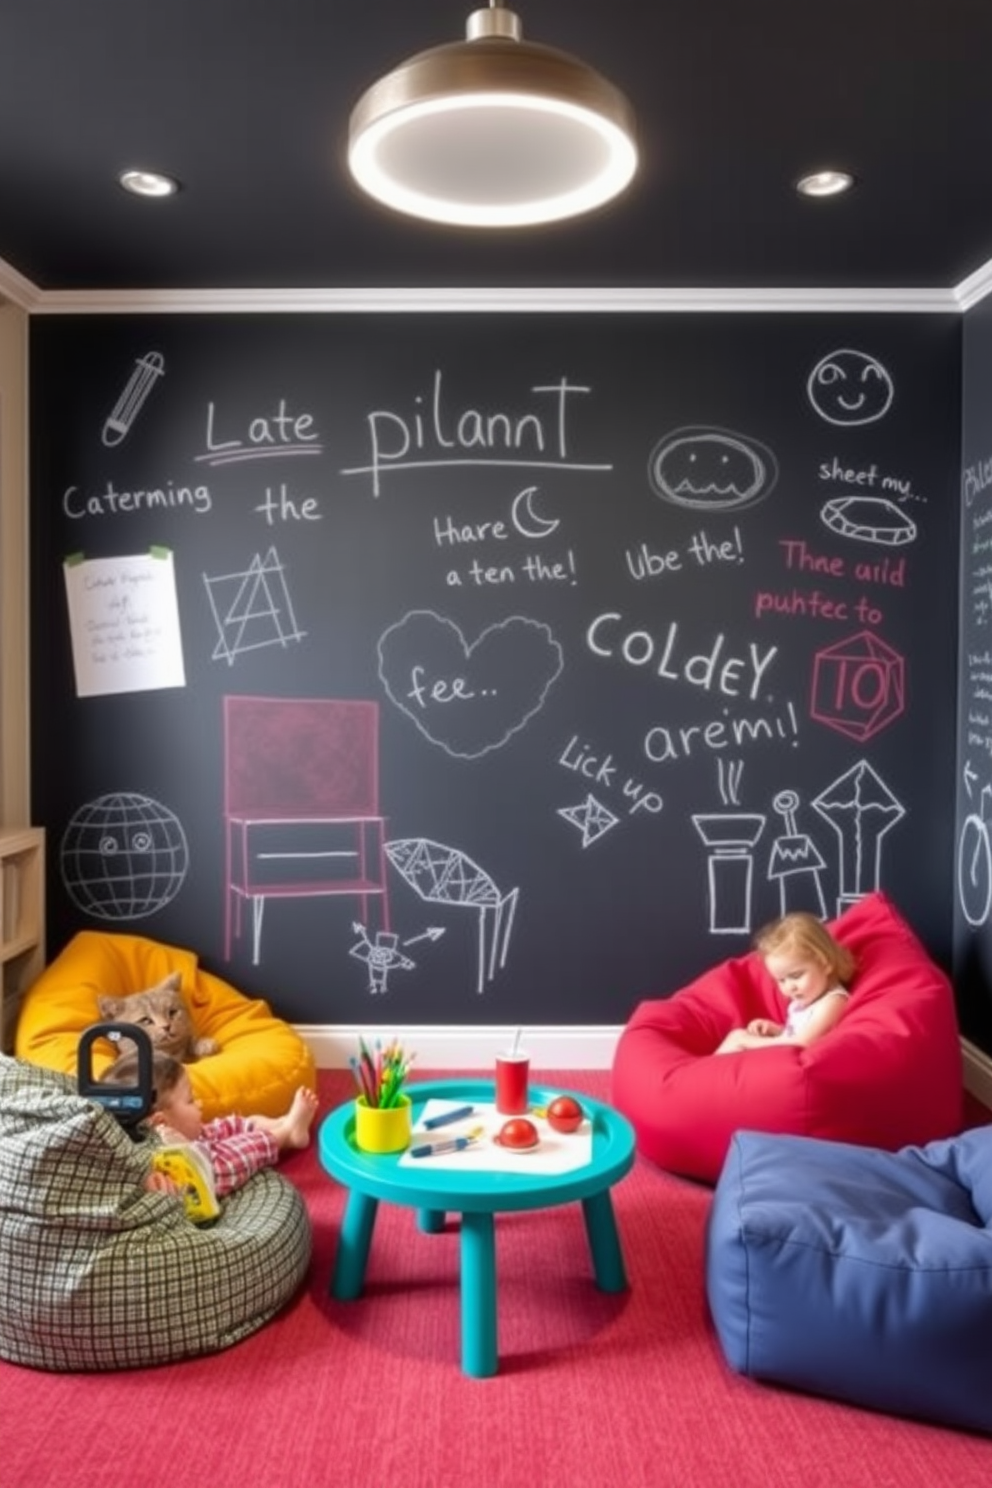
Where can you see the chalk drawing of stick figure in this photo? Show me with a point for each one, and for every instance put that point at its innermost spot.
(382, 956)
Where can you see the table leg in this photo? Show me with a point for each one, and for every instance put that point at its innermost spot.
(431, 1221)
(604, 1242)
(354, 1240)
(478, 1254)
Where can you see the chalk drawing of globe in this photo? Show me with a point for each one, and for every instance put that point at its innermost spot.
(123, 856)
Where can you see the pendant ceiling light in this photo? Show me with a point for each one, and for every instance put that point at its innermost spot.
(492, 131)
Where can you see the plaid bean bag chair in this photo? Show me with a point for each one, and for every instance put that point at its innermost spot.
(95, 1273)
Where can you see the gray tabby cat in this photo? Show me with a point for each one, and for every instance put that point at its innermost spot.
(162, 1012)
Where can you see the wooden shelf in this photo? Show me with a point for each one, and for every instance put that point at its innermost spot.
(22, 918)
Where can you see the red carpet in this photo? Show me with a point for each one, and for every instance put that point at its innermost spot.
(597, 1391)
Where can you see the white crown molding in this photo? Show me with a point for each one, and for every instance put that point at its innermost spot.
(15, 288)
(975, 287)
(553, 300)
(460, 1048)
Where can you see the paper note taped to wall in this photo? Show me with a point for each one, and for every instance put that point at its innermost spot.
(124, 621)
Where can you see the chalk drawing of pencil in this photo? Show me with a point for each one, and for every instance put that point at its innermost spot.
(147, 369)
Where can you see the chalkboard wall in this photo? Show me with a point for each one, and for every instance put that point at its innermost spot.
(973, 855)
(499, 668)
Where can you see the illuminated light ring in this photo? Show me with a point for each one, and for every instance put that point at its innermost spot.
(880, 520)
(711, 496)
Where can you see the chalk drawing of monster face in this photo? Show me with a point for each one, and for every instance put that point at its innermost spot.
(850, 387)
(711, 469)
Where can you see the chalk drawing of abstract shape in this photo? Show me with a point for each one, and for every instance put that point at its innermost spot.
(592, 818)
(850, 387)
(711, 469)
(795, 862)
(730, 838)
(251, 608)
(861, 809)
(443, 875)
(123, 856)
(729, 775)
(468, 699)
(873, 519)
(975, 861)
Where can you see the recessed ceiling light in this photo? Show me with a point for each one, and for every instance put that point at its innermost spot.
(825, 183)
(148, 183)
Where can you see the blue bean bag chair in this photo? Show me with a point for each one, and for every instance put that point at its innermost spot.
(859, 1274)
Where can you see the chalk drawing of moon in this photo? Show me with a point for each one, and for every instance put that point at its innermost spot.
(535, 525)
(850, 387)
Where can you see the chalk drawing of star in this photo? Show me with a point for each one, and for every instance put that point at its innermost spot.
(591, 817)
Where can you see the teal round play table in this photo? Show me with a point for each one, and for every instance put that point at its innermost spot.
(477, 1196)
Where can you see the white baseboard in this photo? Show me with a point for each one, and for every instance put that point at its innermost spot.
(459, 1048)
(570, 1048)
(977, 1073)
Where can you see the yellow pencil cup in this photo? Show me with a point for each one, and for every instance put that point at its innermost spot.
(382, 1128)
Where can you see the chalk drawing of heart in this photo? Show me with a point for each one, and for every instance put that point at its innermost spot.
(468, 699)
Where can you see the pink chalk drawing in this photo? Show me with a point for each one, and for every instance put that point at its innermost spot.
(859, 686)
(301, 807)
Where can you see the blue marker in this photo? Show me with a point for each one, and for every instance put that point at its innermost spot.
(448, 1144)
(447, 1117)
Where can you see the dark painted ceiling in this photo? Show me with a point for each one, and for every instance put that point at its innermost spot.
(247, 103)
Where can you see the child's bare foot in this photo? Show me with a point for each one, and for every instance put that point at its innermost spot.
(299, 1118)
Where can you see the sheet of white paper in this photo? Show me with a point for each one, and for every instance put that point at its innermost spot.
(124, 621)
(557, 1152)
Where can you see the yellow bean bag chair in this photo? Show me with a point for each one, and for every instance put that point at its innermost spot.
(262, 1060)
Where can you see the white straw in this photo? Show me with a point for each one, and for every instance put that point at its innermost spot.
(516, 1042)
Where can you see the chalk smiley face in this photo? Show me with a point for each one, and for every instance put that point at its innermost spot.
(711, 469)
(850, 387)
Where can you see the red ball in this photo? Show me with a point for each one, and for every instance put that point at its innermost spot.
(518, 1133)
(565, 1114)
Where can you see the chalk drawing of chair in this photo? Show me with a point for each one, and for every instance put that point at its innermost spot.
(301, 806)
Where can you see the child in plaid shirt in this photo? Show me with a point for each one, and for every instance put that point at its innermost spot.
(237, 1146)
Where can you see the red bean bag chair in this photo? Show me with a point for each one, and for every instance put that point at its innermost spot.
(888, 1075)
